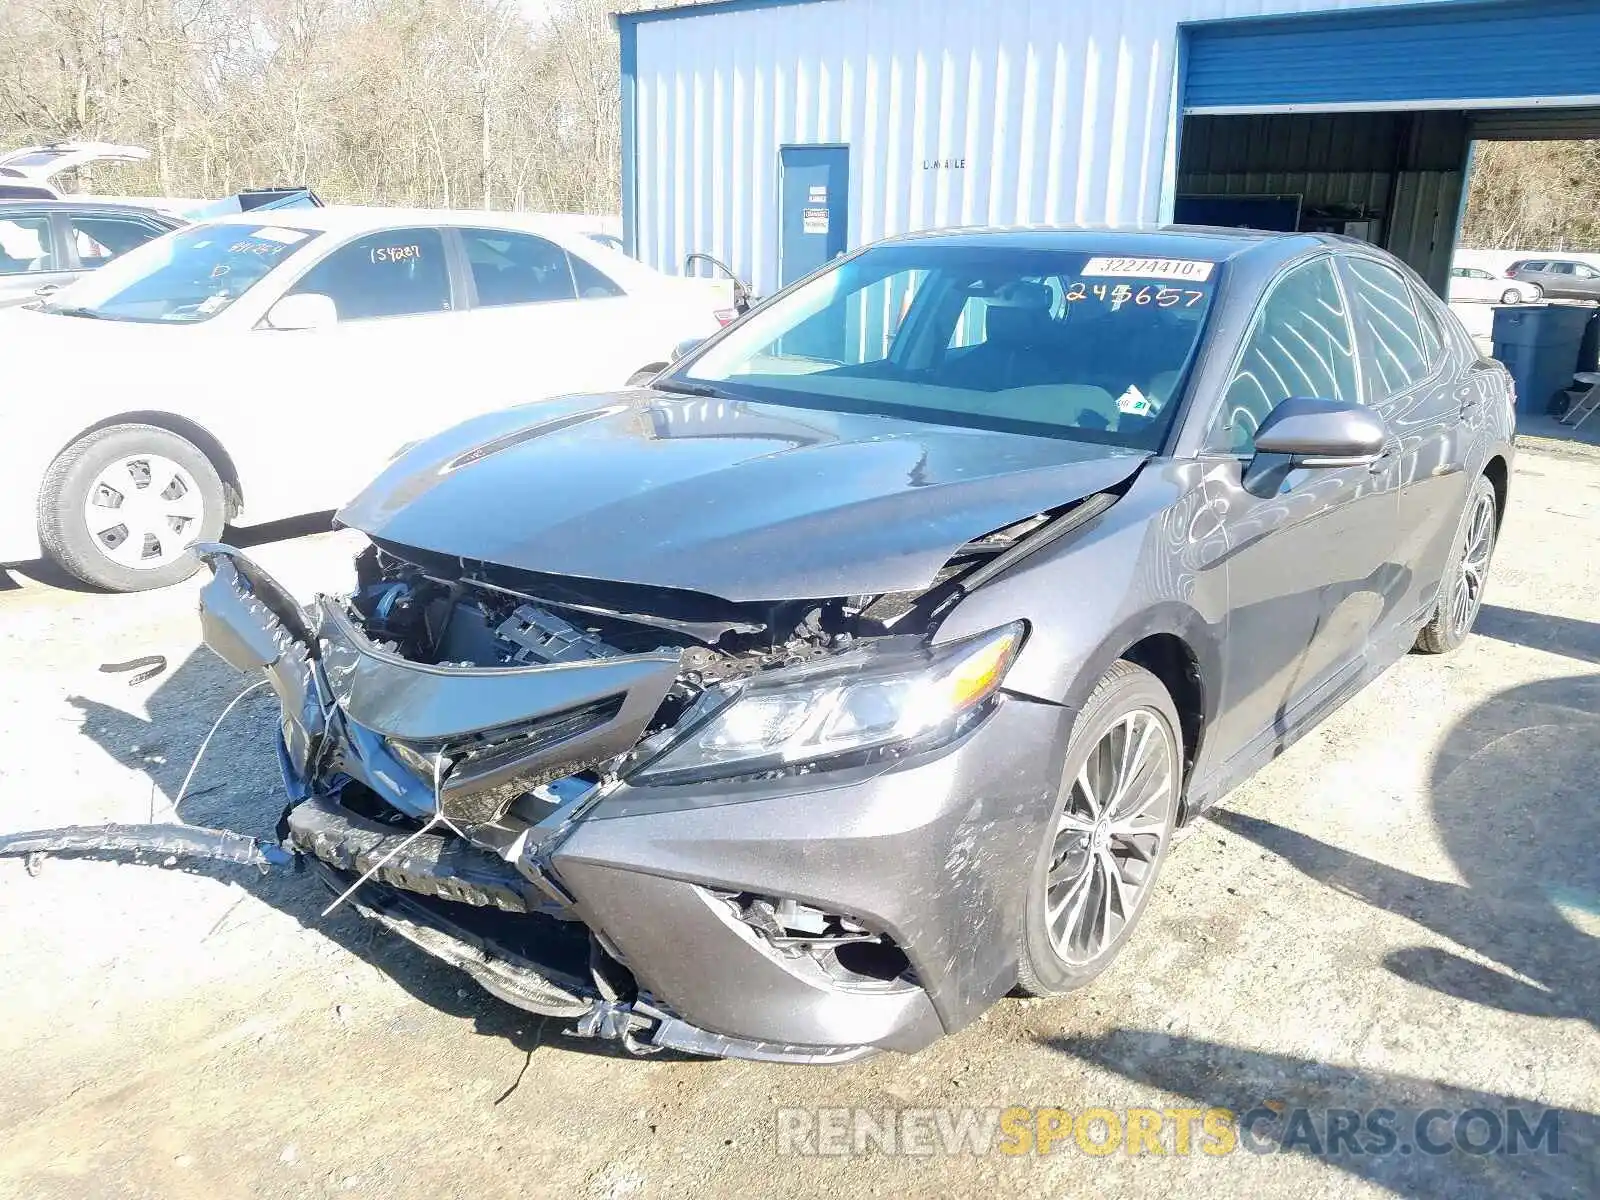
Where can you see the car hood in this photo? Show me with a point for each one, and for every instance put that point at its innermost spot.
(727, 498)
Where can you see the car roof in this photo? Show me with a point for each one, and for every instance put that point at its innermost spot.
(76, 204)
(352, 218)
(1156, 241)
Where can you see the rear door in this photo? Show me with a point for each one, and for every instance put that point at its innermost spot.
(1559, 281)
(1407, 360)
(30, 254)
(545, 322)
(93, 239)
(1310, 558)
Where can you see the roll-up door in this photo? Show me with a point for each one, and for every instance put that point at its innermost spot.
(1462, 54)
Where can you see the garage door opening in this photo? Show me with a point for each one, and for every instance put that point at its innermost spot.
(1394, 179)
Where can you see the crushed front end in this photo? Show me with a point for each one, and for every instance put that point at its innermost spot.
(793, 831)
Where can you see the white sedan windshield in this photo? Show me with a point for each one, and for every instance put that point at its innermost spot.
(188, 276)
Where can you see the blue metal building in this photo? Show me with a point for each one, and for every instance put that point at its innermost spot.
(776, 133)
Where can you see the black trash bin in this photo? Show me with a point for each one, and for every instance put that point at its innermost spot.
(1540, 345)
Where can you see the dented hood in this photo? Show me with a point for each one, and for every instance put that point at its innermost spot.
(733, 499)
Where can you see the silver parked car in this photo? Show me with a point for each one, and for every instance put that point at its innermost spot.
(46, 244)
(862, 667)
(1559, 278)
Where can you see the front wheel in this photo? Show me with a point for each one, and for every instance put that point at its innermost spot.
(1466, 575)
(120, 507)
(1108, 833)
(1511, 296)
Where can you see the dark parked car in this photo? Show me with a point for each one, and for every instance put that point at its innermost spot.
(862, 668)
(46, 244)
(1558, 278)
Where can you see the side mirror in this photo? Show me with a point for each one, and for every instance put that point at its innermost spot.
(1304, 431)
(308, 310)
(1323, 433)
(687, 346)
(742, 298)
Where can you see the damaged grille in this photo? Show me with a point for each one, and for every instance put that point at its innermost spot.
(490, 771)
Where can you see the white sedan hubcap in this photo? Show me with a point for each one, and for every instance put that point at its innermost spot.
(143, 510)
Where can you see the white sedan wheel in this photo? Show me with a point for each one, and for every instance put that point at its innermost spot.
(143, 511)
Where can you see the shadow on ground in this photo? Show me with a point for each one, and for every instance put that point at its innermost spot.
(1269, 1092)
(1512, 791)
(1540, 631)
(238, 787)
(44, 571)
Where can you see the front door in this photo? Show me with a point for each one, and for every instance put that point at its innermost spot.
(814, 195)
(389, 373)
(1310, 556)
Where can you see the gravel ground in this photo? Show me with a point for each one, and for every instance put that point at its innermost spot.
(1402, 913)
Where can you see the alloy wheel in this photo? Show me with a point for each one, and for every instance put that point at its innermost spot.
(1466, 595)
(143, 511)
(1110, 836)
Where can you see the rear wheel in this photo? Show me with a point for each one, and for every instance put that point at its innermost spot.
(1108, 833)
(120, 507)
(1461, 593)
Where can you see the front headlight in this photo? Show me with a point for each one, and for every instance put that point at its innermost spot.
(812, 715)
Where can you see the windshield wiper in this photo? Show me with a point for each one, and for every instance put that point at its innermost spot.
(77, 310)
(689, 389)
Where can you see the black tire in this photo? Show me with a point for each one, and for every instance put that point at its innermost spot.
(1511, 296)
(1125, 690)
(65, 534)
(1448, 627)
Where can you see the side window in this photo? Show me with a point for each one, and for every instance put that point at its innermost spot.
(517, 268)
(396, 273)
(1301, 345)
(25, 246)
(98, 240)
(1433, 335)
(1394, 356)
(1559, 268)
(593, 283)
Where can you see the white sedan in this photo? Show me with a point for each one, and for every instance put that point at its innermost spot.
(247, 369)
(1475, 283)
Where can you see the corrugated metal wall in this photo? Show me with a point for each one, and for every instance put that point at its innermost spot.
(1059, 109)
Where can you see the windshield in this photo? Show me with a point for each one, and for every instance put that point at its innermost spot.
(1065, 344)
(187, 276)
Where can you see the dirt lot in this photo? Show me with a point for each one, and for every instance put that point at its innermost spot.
(1402, 912)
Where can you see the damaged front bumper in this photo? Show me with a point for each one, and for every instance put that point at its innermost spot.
(808, 918)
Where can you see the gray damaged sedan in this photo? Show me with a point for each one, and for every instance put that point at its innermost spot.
(863, 667)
